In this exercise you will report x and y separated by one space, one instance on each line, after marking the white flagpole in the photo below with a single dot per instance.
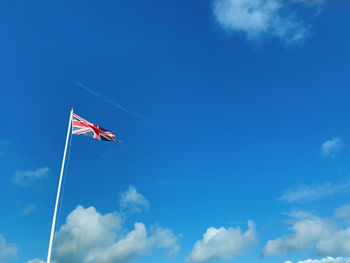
59 188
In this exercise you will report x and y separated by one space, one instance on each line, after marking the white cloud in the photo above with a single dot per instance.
6 250
136 243
36 260
85 229
324 236
324 260
89 236
28 177
222 244
260 18
308 193
331 147
29 209
132 200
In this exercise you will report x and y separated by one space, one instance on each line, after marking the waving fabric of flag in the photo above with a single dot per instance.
83 127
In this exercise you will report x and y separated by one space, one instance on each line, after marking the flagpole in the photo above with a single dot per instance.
59 188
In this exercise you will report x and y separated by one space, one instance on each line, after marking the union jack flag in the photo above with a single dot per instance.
81 126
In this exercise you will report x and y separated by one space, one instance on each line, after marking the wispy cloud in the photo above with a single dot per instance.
4 142
28 177
342 212
305 193
331 147
6 250
109 101
29 209
264 18
310 2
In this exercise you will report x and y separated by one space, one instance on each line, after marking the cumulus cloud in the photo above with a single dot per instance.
259 18
28 177
324 260
85 229
222 244
89 236
136 243
309 193
132 200
331 147
6 250
324 236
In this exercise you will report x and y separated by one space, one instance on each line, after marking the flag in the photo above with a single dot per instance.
81 126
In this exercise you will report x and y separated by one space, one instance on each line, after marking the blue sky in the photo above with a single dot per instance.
234 120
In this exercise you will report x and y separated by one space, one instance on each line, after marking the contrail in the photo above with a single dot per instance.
87 89
114 104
